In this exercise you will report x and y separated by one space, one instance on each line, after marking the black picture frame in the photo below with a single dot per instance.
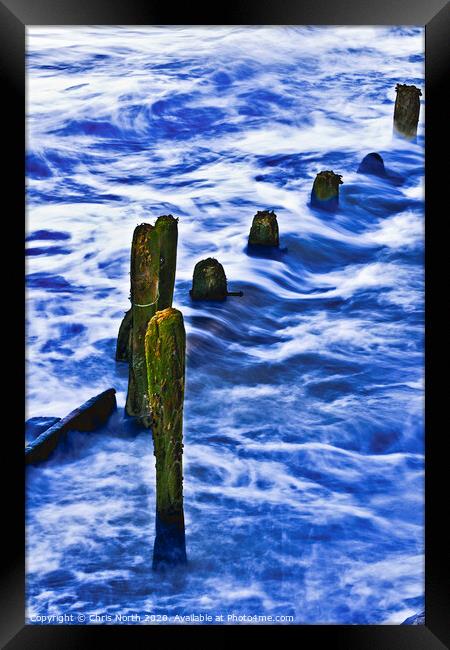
15 15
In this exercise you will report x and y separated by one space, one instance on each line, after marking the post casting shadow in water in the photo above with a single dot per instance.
170 543
271 252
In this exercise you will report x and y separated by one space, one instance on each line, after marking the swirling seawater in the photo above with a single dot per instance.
304 446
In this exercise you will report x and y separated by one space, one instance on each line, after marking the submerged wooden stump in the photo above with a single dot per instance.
210 282
264 230
325 191
153 265
406 110
165 348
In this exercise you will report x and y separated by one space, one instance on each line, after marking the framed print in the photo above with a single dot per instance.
228 355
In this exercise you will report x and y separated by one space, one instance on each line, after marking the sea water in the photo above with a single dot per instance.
303 420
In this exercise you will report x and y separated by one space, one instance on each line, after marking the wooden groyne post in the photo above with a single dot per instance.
144 297
325 191
406 110
153 266
210 282
165 349
264 230
167 229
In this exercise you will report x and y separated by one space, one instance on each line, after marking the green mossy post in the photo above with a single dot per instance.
325 191
144 297
153 266
406 110
167 228
209 281
123 336
165 350
264 230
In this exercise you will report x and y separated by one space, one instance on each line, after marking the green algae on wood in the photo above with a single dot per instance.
167 227
123 336
144 297
165 349
264 230
325 191
406 110
153 266
209 281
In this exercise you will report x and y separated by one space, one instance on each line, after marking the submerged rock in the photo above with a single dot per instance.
37 425
264 230
88 417
325 191
372 164
416 619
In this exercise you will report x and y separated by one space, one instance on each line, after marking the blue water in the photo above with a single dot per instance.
303 425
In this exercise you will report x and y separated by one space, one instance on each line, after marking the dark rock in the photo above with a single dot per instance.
35 426
372 164
88 417
416 619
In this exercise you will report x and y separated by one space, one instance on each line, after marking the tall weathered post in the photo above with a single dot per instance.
144 297
264 230
325 191
210 282
406 110
165 349
167 228
153 265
